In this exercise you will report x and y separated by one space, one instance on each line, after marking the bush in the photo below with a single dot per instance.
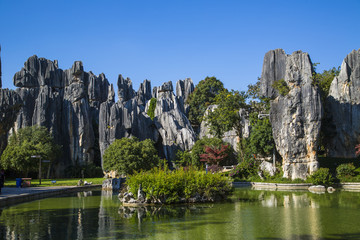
322 177
281 86
245 169
345 170
151 110
170 186
127 155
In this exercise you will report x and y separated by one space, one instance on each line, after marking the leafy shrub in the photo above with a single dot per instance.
170 186
322 177
151 110
281 86
343 170
126 155
245 169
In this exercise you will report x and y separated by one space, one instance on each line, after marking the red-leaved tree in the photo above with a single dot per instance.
213 155
357 149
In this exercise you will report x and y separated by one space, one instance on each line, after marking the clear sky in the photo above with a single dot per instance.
172 40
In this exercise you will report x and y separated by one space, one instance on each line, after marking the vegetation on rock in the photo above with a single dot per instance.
281 86
151 110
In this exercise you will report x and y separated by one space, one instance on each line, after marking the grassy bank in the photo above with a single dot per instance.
59 182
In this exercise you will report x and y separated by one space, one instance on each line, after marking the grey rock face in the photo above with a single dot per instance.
296 117
125 89
170 120
144 93
274 68
112 184
124 119
66 102
343 105
184 88
10 104
267 167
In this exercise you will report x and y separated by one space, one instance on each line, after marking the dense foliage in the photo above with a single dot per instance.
345 170
322 177
151 110
127 155
226 116
25 143
245 169
323 80
281 86
202 97
171 186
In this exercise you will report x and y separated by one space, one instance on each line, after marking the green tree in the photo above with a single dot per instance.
25 143
261 139
323 80
127 155
203 96
226 116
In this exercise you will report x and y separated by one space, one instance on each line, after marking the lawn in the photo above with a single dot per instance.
59 182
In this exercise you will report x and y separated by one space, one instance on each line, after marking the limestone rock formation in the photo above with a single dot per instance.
170 129
10 104
171 122
66 102
343 107
295 117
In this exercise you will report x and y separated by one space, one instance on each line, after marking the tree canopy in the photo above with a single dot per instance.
226 116
202 97
127 155
25 143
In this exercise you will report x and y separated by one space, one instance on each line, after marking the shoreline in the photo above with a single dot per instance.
352 186
10 195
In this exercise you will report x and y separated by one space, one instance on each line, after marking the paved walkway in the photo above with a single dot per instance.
16 195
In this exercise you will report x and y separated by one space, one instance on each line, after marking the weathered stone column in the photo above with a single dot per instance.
295 116
343 107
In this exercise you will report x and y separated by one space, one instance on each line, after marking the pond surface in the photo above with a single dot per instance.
250 214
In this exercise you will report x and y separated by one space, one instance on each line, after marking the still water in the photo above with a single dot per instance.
250 214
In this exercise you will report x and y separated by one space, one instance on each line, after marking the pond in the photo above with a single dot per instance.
249 214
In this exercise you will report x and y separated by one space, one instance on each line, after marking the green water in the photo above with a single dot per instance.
250 214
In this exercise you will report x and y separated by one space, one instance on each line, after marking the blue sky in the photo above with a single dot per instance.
172 40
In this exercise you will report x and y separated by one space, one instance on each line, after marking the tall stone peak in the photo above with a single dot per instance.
184 88
39 72
295 69
343 108
295 117
125 89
